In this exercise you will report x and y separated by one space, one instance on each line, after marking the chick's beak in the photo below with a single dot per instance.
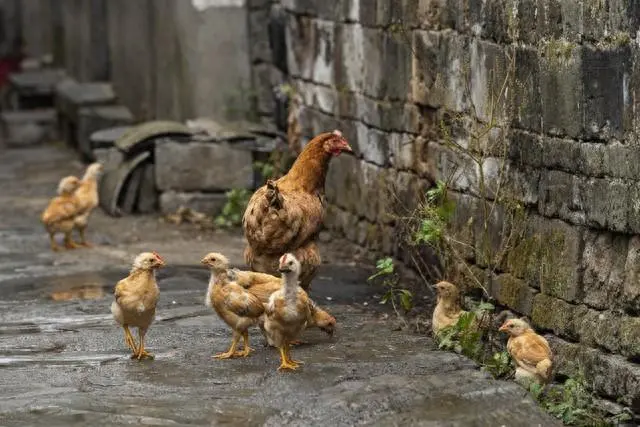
203 261
503 328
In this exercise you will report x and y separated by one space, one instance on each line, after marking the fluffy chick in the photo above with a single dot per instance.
287 311
263 285
448 310
135 302
238 308
530 351
59 215
87 195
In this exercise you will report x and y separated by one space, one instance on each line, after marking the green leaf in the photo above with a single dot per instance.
384 267
406 300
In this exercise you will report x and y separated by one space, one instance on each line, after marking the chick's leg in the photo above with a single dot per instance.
128 339
232 350
285 364
247 350
68 242
142 353
52 240
288 355
83 238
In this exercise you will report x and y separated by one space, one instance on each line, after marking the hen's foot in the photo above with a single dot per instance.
86 244
286 365
245 352
55 247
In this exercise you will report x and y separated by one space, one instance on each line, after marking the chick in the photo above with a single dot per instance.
238 308
87 194
135 302
59 215
263 285
447 311
530 351
287 311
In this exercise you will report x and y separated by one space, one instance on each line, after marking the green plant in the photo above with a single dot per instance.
231 215
403 297
573 404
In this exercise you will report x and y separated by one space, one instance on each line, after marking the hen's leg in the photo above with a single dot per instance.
232 350
142 353
285 364
247 350
52 242
128 339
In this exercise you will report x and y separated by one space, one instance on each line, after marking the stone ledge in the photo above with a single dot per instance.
208 203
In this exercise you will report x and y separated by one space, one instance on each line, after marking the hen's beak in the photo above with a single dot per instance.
346 147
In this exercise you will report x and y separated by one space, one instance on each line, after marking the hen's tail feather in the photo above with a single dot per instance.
273 195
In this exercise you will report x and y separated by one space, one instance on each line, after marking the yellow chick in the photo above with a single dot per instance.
87 195
238 308
287 311
530 351
448 310
135 302
59 215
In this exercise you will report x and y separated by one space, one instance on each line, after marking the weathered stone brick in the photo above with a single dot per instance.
527 104
439 78
513 293
557 199
631 288
605 202
197 166
525 148
609 375
548 256
373 144
441 14
556 315
561 87
603 261
312 55
603 80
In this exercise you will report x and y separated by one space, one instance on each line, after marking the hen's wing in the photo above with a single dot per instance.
243 303
529 349
60 209
277 225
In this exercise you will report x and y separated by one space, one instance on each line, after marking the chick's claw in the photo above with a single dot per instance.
226 355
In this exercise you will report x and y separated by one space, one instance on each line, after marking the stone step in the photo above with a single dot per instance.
28 127
33 89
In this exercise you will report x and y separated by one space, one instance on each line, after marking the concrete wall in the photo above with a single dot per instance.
389 74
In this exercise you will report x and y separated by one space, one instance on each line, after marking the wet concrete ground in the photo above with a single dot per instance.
63 361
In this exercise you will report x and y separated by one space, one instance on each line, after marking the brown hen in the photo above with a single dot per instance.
285 215
58 217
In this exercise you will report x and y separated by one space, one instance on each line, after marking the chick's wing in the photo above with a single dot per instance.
243 303
530 349
60 209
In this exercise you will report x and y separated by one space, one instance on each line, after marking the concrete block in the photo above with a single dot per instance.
106 138
95 118
72 95
209 203
110 158
197 166
148 195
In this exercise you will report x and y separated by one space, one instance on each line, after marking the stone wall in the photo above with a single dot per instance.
404 79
